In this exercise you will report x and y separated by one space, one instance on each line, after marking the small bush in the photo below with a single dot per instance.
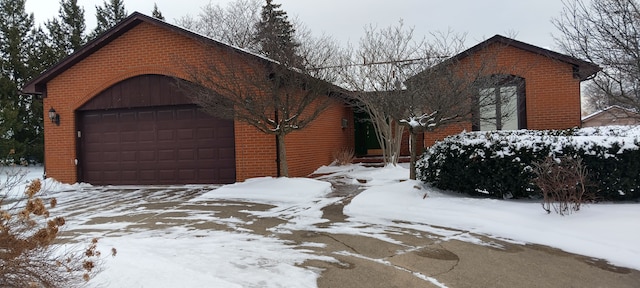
29 256
563 183
343 156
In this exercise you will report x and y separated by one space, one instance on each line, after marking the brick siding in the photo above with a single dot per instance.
552 91
150 49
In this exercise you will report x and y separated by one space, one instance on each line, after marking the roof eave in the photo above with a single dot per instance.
37 86
584 70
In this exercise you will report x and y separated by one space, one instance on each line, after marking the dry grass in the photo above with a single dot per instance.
28 253
344 156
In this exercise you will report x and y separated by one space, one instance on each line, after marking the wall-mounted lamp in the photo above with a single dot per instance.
55 117
345 123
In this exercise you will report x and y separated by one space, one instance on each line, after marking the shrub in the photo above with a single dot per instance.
563 183
500 163
28 255
343 156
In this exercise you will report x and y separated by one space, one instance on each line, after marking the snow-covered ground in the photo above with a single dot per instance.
180 256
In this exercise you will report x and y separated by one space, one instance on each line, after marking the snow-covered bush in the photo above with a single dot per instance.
499 163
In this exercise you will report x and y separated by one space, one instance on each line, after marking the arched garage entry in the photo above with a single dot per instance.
144 130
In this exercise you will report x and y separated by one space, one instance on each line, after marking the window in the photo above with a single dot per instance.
501 105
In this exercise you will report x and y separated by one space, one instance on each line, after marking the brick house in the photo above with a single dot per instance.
545 86
119 119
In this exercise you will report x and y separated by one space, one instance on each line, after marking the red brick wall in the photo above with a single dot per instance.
552 93
255 152
314 146
149 49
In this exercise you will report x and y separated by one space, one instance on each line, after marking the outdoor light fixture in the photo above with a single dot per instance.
55 117
345 123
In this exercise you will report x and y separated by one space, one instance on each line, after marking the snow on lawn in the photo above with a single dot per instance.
180 257
212 259
607 231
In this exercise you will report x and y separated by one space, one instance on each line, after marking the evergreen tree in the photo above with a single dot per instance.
156 13
20 115
67 31
108 16
275 35
43 53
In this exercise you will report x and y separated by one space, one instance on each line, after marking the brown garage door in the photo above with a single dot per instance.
155 145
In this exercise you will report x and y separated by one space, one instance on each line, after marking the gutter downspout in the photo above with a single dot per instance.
277 148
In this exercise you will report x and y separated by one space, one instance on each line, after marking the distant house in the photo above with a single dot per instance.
612 115
117 118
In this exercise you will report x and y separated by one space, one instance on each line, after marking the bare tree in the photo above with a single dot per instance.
416 85
236 24
273 98
376 71
605 32
449 91
233 24
279 89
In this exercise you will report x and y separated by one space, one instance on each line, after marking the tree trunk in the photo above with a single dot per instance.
282 156
413 140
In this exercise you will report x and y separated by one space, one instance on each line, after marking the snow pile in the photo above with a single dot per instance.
299 200
268 190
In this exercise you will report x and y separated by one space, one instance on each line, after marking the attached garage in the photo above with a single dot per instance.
122 120
143 130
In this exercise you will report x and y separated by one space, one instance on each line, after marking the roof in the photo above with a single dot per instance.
612 109
37 86
582 69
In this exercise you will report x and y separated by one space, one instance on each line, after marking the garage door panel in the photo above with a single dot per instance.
207 154
205 133
186 154
129 176
148 175
155 145
168 135
147 156
227 173
186 174
227 153
147 135
224 132
146 116
186 134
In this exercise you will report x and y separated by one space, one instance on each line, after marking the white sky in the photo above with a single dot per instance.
529 21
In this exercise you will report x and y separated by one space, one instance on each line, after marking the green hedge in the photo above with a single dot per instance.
498 163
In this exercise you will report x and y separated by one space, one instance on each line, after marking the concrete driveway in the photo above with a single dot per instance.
410 259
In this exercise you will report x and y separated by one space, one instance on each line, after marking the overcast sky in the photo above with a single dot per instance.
529 21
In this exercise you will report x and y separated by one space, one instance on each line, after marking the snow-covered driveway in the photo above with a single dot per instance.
269 232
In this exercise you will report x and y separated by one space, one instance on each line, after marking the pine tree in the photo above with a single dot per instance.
20 115
108 16
67 31
156 13
275 35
